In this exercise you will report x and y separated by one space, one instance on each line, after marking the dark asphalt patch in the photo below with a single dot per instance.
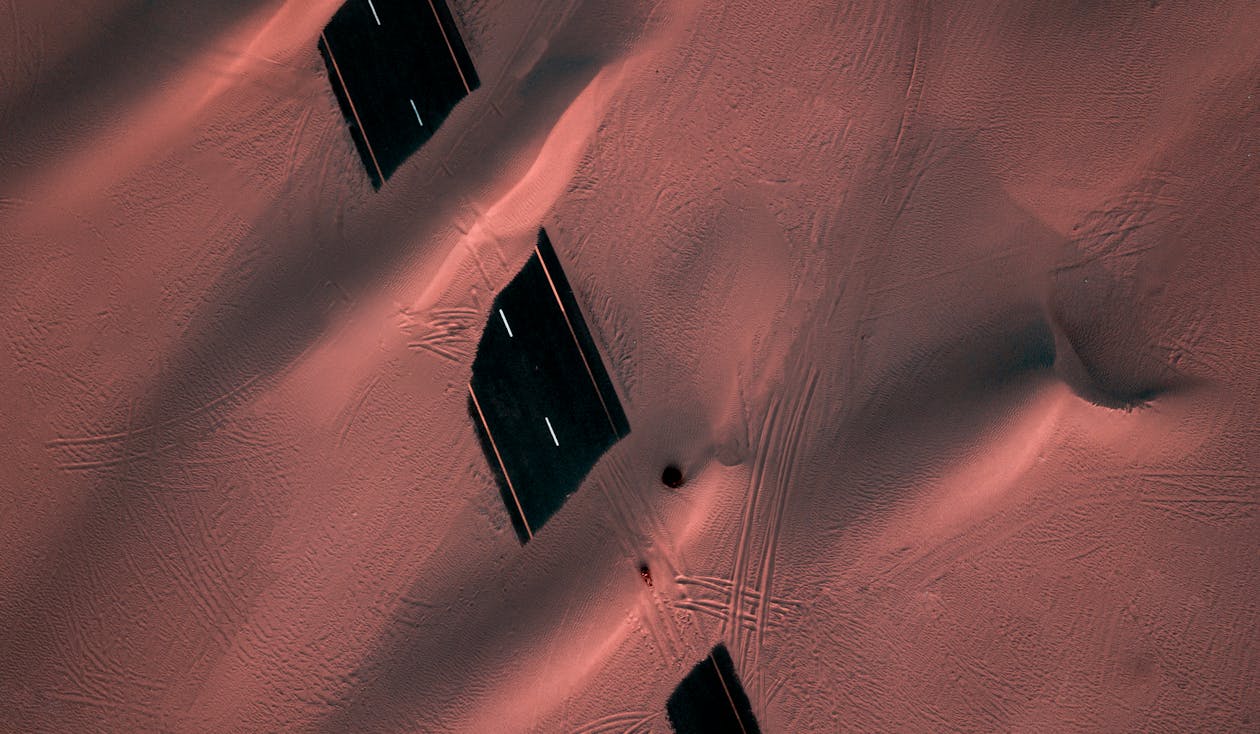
711 700
397 69
542 401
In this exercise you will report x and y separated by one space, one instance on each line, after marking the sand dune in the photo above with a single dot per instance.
946 313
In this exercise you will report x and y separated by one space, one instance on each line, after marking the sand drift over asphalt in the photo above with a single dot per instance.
944 318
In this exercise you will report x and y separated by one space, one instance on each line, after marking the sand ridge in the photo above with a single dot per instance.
946 313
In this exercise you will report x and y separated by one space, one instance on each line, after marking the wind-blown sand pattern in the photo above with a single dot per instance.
947 312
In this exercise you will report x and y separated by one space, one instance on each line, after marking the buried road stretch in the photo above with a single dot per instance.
540 397
398 69
710 700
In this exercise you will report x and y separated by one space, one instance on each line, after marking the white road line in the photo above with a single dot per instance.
505 323
553 431
374 15
413 109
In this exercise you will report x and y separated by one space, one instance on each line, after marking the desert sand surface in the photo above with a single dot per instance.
947 311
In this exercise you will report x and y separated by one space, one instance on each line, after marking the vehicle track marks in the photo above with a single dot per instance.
614 722
745 540
649 528
909 109
495 90
446 333
788 451
616 491
349 416
291 161
1208 510
643 724
204 610
723 587
720 611
948 552
151 443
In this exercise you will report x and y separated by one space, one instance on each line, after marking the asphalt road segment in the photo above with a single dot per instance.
397 69
711 700
540 396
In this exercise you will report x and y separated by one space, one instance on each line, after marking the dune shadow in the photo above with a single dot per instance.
128 56
259 317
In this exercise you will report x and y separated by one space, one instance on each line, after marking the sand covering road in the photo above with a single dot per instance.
948 314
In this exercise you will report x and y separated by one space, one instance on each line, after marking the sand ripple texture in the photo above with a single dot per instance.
947 312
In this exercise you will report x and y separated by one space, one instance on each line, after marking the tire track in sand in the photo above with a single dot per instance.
778 445
630 534
789 450
743 546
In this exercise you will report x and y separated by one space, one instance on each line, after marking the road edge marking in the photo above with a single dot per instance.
581 352
493 445
449 47
722 679
355 112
